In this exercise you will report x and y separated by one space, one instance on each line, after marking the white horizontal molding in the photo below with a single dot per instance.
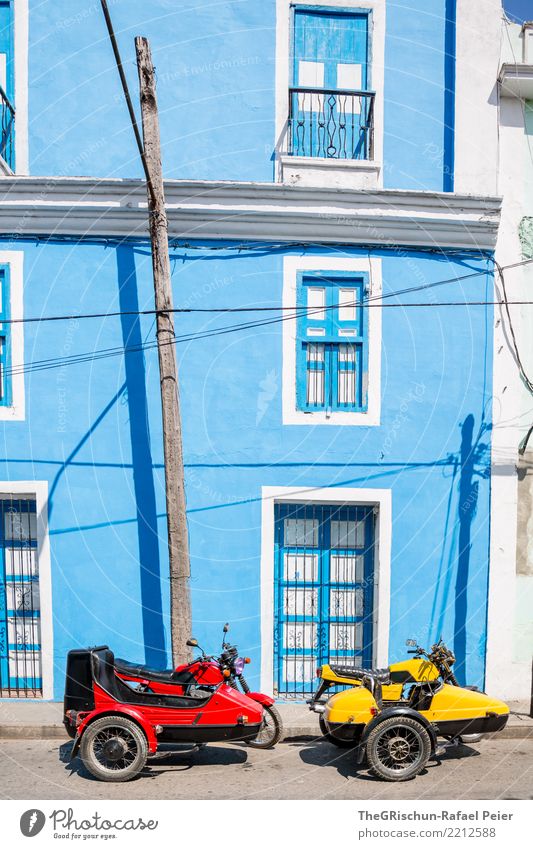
516 81
257 211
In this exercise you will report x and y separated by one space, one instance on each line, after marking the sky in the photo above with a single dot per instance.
519 10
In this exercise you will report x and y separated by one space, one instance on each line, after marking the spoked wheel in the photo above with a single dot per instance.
398 748
271 730
342 744
113 749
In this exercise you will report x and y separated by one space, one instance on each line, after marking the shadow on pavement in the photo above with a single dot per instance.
167 759
322 753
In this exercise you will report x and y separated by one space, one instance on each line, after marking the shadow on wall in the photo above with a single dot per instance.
474 460
143 475
471 464
135 390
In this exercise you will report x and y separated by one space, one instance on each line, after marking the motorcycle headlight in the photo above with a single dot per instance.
238 665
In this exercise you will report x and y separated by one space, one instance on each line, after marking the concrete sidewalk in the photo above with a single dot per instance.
26 718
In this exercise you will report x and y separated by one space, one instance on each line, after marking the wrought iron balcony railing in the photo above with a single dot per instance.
331 123
7 129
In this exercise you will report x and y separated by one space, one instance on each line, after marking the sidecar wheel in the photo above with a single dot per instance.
113 749
342 744
398 749
271 730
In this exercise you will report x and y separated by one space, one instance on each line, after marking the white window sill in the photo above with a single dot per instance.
335 173
336 418
12 414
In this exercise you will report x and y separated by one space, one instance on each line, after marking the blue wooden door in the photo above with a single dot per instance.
7 83
6 47
324 591
330 53
20 640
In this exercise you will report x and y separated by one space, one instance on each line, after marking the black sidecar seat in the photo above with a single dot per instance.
380 675
104 674
165 676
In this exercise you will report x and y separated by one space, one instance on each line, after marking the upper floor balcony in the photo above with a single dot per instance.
7 134
330 138
331 123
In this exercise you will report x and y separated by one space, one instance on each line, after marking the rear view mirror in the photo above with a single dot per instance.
226 628
410 642
192 642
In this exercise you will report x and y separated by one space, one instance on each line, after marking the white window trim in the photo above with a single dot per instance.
291 266
378 498
283 74
21 36
15 261
39 491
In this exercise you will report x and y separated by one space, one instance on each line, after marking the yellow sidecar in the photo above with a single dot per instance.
395 715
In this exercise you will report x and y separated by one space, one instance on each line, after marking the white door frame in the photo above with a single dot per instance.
381 500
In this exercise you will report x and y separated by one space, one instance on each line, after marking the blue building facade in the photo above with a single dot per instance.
334 340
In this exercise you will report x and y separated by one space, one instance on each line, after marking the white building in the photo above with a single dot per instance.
510 621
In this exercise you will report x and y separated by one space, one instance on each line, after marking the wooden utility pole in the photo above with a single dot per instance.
178 543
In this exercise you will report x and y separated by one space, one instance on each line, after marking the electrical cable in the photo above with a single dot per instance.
222 310
75 359
525 378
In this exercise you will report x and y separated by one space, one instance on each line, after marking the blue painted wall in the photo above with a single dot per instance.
216 88
93 432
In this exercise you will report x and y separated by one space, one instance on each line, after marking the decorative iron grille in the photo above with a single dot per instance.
324 592
331 123
20 620
7 129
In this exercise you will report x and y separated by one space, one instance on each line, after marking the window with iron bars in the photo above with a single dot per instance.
332 342
20 614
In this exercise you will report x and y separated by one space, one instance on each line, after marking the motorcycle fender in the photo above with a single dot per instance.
75 747
266 701
386 714
131 713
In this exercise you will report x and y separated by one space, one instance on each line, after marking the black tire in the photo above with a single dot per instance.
113 748
271 730
342 744
398 748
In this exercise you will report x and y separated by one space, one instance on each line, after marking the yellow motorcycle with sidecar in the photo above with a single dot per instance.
395 716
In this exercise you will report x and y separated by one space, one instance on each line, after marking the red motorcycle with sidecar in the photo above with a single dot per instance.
119 712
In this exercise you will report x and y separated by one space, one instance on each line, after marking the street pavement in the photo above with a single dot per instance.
296 769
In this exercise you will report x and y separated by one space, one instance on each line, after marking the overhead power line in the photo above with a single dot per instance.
105 353
222 310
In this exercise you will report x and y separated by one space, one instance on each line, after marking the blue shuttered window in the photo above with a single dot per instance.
324 591
5 339
332 342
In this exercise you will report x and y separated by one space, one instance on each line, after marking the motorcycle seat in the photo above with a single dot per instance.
380 675
165 676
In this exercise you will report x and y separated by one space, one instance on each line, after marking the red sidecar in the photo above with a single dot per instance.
118 725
